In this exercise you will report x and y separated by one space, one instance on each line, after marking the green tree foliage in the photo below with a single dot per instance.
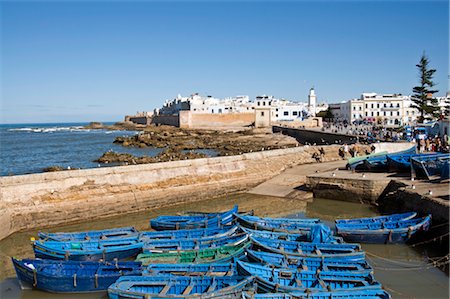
327 114
422 97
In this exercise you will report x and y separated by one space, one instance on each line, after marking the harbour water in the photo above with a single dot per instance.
403 270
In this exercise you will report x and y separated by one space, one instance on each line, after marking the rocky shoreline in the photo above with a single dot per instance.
182 144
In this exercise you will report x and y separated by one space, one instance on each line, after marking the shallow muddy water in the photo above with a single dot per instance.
403 270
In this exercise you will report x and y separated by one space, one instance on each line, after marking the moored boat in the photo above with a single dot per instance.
210 255
276 224
194 244
383 232
310 263
106 234
323 283
213 269
87 250
187 233
377 219
363 294
195 221
429 167
320 235
285 276
227 287
305 249
72 276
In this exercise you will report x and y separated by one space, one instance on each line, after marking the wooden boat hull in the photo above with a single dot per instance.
429 167
310 250
299 236
276 224
285 276
179 287
186 233
213 269
323 284
312 264
210 255
113 233
385 235
365 294
48 275
87 250
378 219
192 222
193 244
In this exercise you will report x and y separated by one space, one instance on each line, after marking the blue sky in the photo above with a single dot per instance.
83 60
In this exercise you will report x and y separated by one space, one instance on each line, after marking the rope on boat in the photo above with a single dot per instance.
431 240
441 261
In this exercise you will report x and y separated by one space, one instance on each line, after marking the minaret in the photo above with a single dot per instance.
312 102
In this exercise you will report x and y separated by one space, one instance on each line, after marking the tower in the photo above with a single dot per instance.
312 102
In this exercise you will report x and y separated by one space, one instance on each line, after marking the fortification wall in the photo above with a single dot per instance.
169 120
49 199
189 119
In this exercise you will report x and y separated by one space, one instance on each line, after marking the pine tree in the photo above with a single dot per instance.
422 97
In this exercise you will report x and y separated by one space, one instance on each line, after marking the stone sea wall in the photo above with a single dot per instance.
49 199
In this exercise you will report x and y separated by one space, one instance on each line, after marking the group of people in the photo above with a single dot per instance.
430 144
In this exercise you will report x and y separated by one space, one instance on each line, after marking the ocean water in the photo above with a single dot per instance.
29 148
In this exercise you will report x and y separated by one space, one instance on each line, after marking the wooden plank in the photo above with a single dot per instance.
188 289
166 288
212 287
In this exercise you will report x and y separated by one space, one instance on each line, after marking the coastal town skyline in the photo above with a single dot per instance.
83 61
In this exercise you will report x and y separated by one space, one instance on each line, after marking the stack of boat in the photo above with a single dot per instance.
219 255
431 165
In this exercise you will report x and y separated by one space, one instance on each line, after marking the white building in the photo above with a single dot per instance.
390 110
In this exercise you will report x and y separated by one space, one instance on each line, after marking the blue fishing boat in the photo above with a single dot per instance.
227 287
194 244
429 167
72 276
113 233
213 269
363 294
121 248
187 233
324 283
306 249
383 232
285 276
299 236
378 163
276 224
402 162
196 221
377 219
312 264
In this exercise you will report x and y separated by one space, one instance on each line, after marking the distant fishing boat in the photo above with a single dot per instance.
227 287
178 245
210 255
383 232
308 263
113 233
276 224
195 221
72 276
88 250
377 163
377 219
306 249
